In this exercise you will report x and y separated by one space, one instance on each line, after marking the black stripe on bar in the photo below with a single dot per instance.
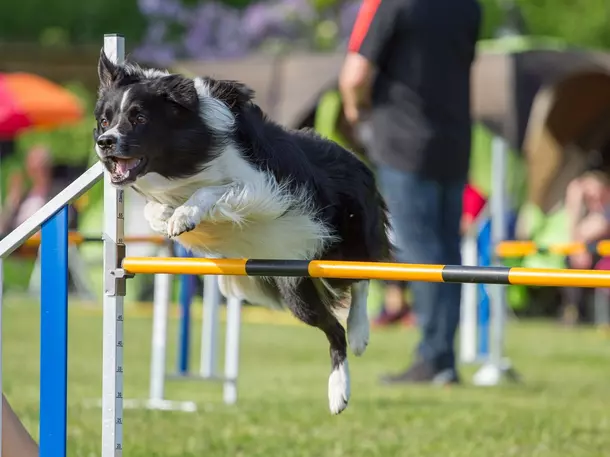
479 275
271 267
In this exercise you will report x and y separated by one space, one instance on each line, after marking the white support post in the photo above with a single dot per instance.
209 326
498 367
159 337
499 209
232 350
114 293
156 396
468 315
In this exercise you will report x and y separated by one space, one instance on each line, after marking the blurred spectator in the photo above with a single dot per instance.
19 204
407 72
395 308
587 205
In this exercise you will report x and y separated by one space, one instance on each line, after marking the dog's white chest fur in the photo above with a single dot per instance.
232 209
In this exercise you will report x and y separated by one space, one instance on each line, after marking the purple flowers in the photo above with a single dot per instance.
213 30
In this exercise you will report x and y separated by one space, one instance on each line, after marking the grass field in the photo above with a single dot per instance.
561 409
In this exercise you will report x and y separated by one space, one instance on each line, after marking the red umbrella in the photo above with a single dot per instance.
28 100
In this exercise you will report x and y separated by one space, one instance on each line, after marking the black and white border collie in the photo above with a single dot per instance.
223 180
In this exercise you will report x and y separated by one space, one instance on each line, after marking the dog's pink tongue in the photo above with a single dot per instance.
124 165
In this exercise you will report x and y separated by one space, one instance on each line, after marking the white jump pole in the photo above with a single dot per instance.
498 368
468 315
209 326
114 293
232 350
159 337
156 397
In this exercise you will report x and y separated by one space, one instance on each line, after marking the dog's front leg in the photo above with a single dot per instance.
197 208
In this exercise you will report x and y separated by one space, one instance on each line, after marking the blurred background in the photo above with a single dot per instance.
541 82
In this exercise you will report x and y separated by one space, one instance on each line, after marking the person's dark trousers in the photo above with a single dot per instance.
425 216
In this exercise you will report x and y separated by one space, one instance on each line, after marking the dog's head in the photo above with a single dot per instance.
150 121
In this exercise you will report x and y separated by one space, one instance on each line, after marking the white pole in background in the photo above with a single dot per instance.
159 337
498 367
232 350
499 225
468 314
209 326
112 375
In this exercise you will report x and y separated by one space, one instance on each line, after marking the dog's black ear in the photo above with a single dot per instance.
107 71
113 75
234 93
179 90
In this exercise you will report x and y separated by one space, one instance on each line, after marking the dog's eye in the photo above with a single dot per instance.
140 119
104 122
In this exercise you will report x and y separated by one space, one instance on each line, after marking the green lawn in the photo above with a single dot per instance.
560 410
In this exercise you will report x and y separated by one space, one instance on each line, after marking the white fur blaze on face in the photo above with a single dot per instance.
124 100
339 388
358 327
215 113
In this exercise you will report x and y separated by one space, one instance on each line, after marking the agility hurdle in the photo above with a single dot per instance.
118 268
522 249
366 270
517 249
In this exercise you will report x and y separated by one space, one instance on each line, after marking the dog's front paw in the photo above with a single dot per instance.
184 219
157 215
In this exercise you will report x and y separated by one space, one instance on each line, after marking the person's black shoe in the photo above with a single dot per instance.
422 371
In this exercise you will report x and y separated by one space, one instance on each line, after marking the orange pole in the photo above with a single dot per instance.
558 277
78 238
508 249
186 265
375 270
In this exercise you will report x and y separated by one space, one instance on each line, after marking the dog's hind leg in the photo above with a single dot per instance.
358 327
305 303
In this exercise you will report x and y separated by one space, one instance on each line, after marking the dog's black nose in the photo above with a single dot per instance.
106 141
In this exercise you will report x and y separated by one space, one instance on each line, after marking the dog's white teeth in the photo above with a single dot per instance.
124 165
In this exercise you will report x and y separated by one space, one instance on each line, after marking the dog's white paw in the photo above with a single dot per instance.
157 215
358 335
184 219
339 388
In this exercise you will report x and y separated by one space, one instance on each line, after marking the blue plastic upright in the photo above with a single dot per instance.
54 335
483 310
186 295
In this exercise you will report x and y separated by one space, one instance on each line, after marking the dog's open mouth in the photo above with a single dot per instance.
125 169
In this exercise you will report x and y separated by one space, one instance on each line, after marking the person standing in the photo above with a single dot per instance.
407 74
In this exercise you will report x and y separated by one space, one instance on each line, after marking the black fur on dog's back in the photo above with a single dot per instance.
342 187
